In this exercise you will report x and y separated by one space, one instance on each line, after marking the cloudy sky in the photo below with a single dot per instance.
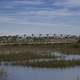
39 16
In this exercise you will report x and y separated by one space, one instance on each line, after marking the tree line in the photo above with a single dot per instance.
36 38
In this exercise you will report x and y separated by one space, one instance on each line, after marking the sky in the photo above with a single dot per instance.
39 16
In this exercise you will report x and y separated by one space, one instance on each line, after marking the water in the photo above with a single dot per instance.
24 73
62 56
58 56
10 72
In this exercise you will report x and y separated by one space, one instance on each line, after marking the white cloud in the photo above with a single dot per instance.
72 3
28 2
4 19
46 13
43 16
9 6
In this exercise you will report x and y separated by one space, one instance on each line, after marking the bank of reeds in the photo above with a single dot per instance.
21 54
69 48
49 64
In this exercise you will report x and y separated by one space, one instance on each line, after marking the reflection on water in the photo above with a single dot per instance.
62 56
8 72
24 73
67 56
3 74
58 56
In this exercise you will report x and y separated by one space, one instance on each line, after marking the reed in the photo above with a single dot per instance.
21 54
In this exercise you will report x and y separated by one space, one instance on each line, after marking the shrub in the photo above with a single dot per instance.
78 41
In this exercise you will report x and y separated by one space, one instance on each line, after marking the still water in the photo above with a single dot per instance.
25 73
9 72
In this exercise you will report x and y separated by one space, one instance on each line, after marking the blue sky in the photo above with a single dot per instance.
39 16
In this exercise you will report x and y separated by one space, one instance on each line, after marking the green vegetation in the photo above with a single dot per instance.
54 64
49 64
23 56
29 50
78 41
46 38
26 54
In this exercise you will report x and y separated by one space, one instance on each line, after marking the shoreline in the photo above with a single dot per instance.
20 53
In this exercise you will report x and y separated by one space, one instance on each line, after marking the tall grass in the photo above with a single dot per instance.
23 53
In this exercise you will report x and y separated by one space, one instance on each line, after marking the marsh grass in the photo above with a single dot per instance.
49 64
3 74
22 54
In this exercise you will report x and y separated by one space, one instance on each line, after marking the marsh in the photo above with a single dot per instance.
40 62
